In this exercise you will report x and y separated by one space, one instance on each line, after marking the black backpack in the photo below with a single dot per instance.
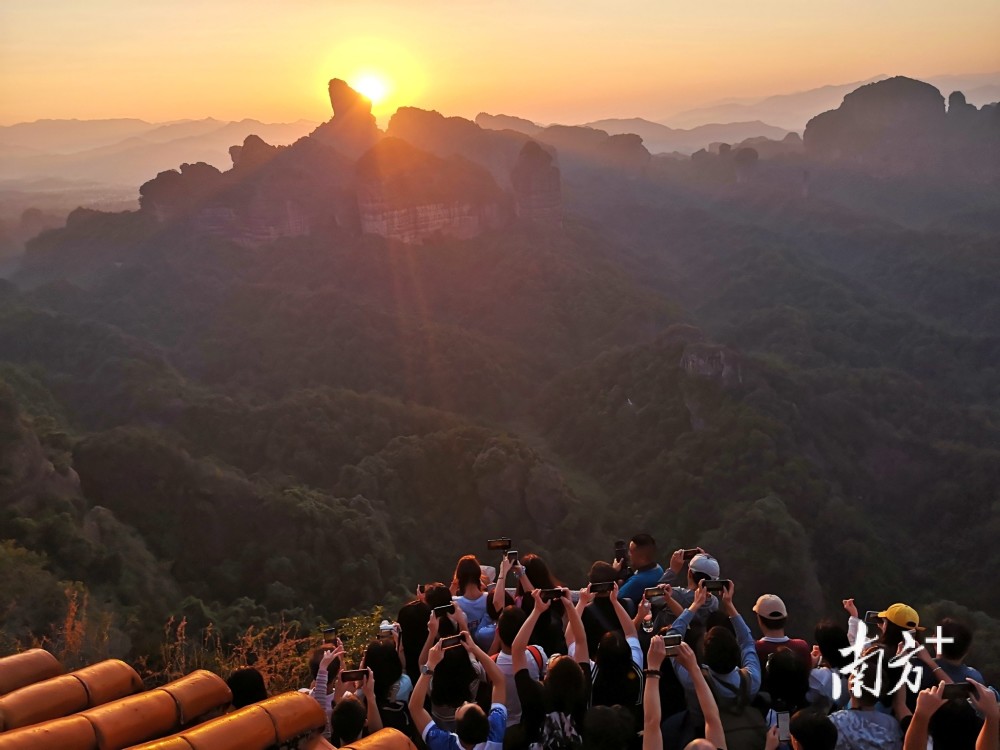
744 725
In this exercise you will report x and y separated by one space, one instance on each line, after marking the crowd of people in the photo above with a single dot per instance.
651 658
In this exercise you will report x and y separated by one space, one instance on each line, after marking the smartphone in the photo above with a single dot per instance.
784 726
502 543
549 594
621 549
329 632
354 675
958 691
689 553
871 617
512 556
672 643
651 592
452 641
602 588
716 586
445 609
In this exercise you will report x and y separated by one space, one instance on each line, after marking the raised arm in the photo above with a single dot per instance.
582 651
517 648
368 690
709 708
493 673
986 703
584 600
628 627
748 649
928 701
432 635
419 695
652 737
500 590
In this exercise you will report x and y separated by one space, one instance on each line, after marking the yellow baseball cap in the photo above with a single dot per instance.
902 615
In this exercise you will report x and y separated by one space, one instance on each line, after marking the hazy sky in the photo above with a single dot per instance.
550 60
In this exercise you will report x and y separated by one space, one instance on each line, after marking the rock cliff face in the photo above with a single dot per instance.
537 186
899 126
409 195
712 361
449 136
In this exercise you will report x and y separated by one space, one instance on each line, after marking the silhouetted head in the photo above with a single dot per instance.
787 678
382 659
642 550
601 572
613 653
510 622
722 652
831 638
248 687
347 720
467 573
538 573
962 639
564 682
813 730
471 724
316 657
452 678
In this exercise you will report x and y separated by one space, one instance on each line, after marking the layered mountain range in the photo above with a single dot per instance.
297 386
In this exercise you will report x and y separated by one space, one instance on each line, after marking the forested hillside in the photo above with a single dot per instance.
301 428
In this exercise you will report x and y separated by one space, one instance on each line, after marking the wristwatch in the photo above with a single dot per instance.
427 671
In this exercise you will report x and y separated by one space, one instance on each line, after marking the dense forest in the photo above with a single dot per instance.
299 429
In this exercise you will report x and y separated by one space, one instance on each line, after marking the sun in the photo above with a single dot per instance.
372 85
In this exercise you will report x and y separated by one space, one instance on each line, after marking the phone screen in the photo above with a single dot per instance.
784 722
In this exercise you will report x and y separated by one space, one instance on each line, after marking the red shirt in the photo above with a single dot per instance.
798 646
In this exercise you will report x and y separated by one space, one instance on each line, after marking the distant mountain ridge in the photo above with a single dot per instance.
127 151
656 137
793 110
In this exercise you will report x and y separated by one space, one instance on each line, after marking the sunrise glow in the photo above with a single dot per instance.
372 85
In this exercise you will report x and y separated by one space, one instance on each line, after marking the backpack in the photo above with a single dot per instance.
558 733
744 725
536 654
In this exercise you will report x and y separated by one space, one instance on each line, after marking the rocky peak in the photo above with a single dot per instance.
537 186
352 129
347 102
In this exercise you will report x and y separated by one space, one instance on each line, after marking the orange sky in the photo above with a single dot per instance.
549 60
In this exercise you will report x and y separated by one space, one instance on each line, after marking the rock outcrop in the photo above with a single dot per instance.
507 122
409 195
537 186
899 126
352 130
714 362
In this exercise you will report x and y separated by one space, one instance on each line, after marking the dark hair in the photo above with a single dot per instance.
608 728
316 657
963 639
643 540
772 623
615 680
247 685
831 638
698 577
452 678
601 572
722 652
437 595
347 720
892 637
813 730
383 660
787 679
565 684
467 573
509 623
538 573
473 727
